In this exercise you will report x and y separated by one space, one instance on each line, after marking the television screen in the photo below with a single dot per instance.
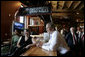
18 25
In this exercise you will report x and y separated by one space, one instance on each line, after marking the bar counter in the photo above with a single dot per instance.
36 51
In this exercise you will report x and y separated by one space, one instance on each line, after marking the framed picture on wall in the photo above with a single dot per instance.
34 21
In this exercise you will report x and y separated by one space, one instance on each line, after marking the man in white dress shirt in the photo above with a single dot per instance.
56 42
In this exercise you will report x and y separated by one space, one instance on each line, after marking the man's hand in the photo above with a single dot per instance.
39 44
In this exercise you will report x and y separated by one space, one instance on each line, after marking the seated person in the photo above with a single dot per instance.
14 41
15 38
23 44
56 42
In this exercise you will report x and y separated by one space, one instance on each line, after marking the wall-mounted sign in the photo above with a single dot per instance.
34 10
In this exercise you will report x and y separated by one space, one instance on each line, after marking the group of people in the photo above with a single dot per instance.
20 43
72 44
75 39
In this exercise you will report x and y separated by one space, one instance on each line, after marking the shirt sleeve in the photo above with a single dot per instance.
51 45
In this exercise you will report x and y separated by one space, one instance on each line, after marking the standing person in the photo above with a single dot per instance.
82 36
56 42
79 33
82 41
64 32
72 40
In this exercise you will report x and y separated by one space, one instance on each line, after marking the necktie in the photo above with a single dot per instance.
74 38
82 37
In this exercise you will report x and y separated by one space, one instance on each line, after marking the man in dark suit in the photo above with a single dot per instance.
81 41
72 40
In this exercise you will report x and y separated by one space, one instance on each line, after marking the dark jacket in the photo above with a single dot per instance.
69 40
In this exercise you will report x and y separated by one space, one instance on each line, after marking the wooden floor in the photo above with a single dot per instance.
36 51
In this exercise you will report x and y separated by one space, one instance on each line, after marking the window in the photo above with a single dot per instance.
21 19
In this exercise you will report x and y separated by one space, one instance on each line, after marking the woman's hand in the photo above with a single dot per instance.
30 45
34 40
27 46
18 46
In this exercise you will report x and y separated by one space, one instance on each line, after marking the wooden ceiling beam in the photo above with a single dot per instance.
77 4
70 4
81 7
54 4
60 3
63 4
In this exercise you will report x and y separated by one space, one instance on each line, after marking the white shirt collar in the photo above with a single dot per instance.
72 33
